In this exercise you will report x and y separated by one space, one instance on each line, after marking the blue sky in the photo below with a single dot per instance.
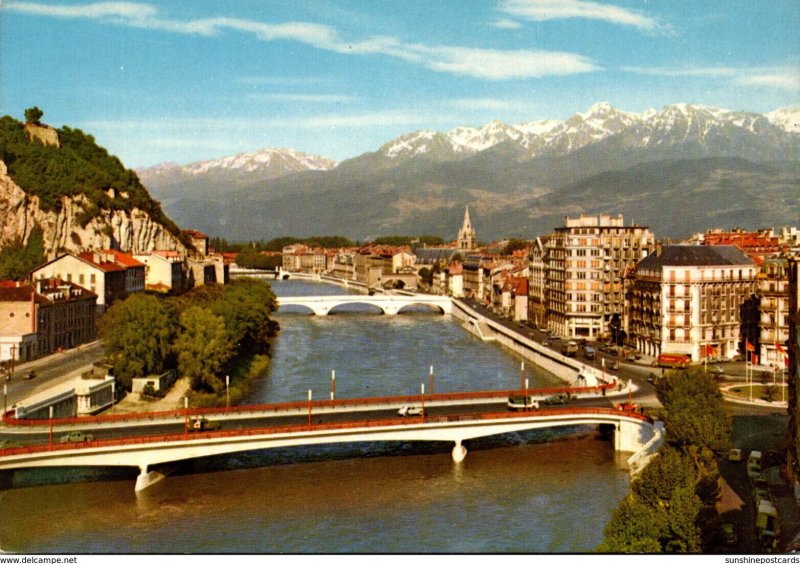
187 80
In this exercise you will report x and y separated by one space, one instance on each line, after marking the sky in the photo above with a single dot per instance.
190 80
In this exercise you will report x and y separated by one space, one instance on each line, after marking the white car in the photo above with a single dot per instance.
409 410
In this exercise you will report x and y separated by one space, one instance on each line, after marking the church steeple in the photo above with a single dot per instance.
466 235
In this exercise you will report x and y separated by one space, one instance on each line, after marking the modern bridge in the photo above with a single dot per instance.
306 424
390 304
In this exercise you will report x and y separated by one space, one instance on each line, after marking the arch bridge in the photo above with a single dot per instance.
389 304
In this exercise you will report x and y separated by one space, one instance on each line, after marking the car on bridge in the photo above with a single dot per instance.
557 399
515 403
76 437
9 443
409 411
200 424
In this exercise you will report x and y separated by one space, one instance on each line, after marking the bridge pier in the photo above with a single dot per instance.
146 479
459 452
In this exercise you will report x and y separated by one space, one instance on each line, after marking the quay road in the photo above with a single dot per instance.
294 414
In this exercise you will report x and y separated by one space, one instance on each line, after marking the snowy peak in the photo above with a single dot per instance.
286 159
787 119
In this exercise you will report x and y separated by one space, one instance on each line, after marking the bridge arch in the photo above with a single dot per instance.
431 306
340 307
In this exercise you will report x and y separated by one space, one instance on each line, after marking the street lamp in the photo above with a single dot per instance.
333 384
227 392
51 427
309 410
422 396
430 379
185 415
525 401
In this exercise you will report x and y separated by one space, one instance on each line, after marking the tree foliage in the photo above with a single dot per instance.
514 245
249 257
203 347
245 307
137 334
17 260
670 470
78 167
635 527
695 411
33 115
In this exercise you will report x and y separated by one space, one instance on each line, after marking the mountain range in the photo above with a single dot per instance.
679 170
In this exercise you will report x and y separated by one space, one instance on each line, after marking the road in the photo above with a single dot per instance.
260 420
50 370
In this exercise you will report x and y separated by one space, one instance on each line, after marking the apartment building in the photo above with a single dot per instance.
687 300
587 261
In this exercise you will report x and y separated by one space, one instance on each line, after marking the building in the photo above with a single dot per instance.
199 240
793 373
386 266
586 265
302 258
164 271
758 245
773 294
687 300
537 293
111 275
40 319
467 239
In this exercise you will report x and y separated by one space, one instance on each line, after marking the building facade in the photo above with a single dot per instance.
587 262
687 299
467 239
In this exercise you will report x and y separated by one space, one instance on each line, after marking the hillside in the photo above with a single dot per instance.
78 194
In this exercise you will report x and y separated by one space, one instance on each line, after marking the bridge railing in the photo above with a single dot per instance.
10 419
300 428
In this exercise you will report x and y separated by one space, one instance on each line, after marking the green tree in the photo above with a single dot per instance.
34 115
683 534
17 260
666 472
249 257
137 334
203 347
695 411
514 245
635 527
245 306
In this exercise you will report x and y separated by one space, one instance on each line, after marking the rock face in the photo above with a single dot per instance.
63 231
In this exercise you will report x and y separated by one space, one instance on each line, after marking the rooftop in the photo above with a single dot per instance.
695 255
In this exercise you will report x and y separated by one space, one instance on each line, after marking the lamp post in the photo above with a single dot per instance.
113 393
227 392
521 375
5 398
430 379
422 399
333 384
309 410
185 415
525 401
51 428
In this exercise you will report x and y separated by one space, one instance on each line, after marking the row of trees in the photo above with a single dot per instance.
671 505
326 242
203 333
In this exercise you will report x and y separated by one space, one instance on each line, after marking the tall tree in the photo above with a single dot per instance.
33 115
203 347
137 334
245 306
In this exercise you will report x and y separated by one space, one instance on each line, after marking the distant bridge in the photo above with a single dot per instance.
390 304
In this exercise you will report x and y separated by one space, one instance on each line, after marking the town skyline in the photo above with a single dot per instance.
192 81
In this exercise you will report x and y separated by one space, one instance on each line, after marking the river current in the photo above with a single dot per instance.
539 492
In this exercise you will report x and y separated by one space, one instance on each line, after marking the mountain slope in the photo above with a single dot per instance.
419 182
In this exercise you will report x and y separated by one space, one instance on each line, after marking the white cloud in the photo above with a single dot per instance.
488 64
543 10
505 23
784 78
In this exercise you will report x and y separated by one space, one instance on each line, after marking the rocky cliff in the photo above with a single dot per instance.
67 229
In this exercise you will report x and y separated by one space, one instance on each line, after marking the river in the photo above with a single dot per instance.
546 491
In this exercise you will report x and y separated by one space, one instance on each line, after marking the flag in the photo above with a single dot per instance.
755 359
709 350
749 346
779 348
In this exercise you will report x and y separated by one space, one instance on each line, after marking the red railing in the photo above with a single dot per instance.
395 422
10 419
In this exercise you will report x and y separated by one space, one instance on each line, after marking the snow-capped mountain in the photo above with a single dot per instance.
678 122
787 119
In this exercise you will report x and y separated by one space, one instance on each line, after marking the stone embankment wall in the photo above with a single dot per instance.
482 327
133 231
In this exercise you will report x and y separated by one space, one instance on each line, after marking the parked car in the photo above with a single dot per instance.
409 411
76 437
8 443
588 352
29 376
735 455
716 370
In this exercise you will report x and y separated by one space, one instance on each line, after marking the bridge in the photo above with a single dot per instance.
389 304
454 418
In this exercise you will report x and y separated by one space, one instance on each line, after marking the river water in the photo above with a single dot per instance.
546 491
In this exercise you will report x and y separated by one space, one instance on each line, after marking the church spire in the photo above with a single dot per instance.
466 235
